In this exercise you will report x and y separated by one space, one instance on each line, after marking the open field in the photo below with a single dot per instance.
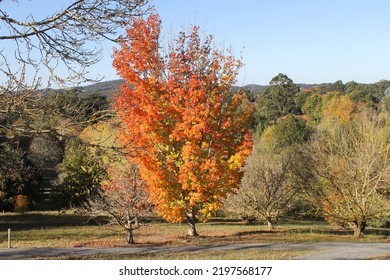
50 229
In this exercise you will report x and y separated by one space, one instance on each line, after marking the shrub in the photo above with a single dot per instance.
21 203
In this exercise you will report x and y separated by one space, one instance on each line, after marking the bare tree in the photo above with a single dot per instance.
267 185
68 41
44 150
65 37
122 197
352 172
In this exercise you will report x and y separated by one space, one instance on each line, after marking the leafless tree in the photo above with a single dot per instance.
65 37
43 150
267 185
68 41
122 197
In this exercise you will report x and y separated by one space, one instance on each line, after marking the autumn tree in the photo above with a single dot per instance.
340 108
352 171
183 126
269 185
121 195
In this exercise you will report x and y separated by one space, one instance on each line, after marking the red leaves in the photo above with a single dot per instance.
185 129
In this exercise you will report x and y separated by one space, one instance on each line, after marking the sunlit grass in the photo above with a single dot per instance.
50 229
385 257
202 255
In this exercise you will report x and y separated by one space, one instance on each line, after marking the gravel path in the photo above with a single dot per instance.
321 251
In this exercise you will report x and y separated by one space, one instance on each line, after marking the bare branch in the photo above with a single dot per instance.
66 44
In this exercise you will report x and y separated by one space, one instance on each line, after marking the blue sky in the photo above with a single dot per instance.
310 41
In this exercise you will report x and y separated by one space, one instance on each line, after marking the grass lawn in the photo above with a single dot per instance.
203 255
50 229
386 257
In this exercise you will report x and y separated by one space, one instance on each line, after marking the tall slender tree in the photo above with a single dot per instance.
278 100
183 126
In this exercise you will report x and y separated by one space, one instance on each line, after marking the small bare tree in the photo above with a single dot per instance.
266 187
122 197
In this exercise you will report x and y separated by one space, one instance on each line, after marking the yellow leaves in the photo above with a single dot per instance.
209 210
267 135
236 161
102 134
340 108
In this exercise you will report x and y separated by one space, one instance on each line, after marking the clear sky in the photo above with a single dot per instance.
309 41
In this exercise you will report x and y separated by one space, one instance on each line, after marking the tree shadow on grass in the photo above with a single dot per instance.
40 220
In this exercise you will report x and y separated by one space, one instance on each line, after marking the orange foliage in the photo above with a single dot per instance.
21 203
332 207
182 126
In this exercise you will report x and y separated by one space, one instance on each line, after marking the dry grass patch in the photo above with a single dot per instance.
49 229
201 255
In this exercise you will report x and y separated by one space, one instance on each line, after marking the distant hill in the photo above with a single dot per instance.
107 88
256 89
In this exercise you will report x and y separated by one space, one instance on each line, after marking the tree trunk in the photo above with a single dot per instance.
358 228
270 224
130 237
191 229
191 222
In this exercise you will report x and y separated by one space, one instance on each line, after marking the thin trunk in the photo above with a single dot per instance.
130 237
130 229
270 224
